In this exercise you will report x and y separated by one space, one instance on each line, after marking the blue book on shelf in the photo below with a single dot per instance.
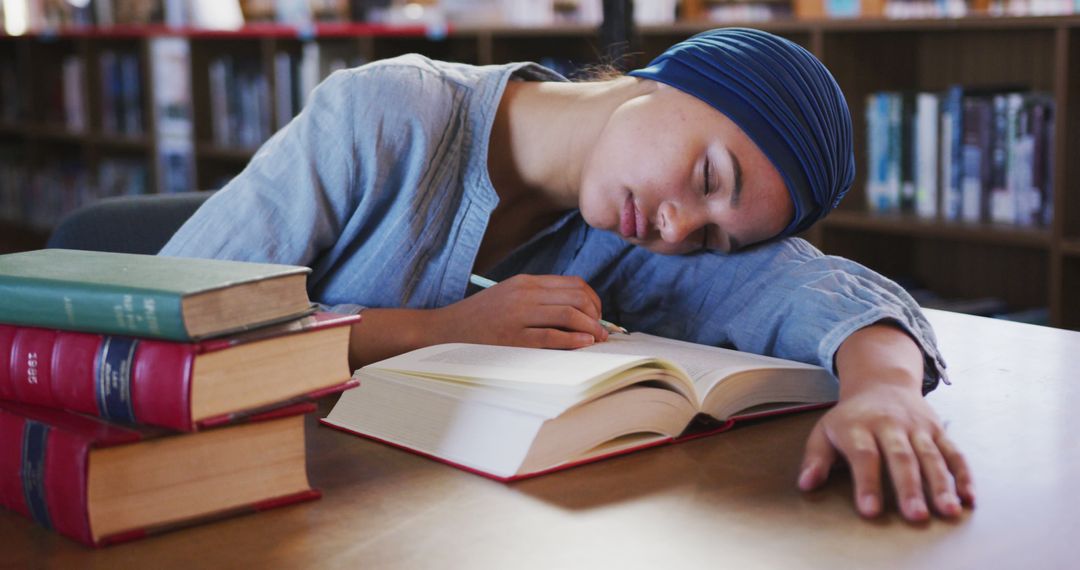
843 8
953 110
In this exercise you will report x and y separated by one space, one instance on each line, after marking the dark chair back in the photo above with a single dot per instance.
126 224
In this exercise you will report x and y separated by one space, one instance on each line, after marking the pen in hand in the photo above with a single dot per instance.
484 282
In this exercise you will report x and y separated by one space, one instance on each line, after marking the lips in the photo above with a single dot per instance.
628 219
642 224
632 222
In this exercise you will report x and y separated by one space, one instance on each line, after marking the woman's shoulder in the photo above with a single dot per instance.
410 78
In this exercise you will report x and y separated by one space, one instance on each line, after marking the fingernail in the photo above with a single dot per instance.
807 479
948 503
868 505
916 508
969 494
587 339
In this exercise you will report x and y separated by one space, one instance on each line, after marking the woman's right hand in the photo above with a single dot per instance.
545 311
537 311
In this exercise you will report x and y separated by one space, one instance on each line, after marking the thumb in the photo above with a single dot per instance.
817 460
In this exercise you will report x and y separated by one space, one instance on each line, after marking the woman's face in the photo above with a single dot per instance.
674 175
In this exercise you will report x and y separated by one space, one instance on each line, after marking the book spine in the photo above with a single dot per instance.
927 138
975 160
43 475
91 308
873 152
1001 205
121 379
893 180
954 195
907 148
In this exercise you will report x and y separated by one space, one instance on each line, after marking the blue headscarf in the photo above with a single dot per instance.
782 97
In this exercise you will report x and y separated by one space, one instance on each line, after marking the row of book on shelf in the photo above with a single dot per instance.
39 199
242 115
63 101
909 9
240 102
972 155
121 367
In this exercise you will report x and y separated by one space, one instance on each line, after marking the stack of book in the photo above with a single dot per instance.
144 393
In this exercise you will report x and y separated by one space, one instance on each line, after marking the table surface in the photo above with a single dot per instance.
724 501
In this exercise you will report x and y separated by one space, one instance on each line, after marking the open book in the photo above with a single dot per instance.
509 413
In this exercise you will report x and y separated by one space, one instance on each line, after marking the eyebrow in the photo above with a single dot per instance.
737 191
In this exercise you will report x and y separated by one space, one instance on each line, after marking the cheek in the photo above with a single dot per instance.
605 173
593 191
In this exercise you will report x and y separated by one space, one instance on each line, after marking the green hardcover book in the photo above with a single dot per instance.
145 295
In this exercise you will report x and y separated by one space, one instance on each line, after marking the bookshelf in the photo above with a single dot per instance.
1027 268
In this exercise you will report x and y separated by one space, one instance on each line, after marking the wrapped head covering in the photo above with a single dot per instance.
782 97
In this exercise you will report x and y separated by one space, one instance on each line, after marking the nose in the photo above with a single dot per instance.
678 222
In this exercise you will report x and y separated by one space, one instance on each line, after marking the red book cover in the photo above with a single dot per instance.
132 380
45 462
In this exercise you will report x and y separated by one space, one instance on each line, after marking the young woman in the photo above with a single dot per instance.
625 199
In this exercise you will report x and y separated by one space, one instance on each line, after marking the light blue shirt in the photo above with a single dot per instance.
381 186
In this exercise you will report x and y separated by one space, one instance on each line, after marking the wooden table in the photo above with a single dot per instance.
723 502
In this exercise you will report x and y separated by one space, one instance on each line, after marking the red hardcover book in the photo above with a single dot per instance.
511 413
101 483
181 386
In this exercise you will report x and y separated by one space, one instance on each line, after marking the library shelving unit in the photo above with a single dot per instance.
1027 268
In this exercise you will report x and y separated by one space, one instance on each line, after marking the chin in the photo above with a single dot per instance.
665 248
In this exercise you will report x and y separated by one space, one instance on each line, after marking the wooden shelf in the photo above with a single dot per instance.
122 142
506 30
56 133
215 152
1071 247
907 225
10 130
974 22
351 29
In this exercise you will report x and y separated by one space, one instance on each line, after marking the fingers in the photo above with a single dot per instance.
556 339
575 298
819 458
957 465
864 458
919 466
938 480
569 319
904 468
584 297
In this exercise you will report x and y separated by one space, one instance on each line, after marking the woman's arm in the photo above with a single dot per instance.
882 421
787 299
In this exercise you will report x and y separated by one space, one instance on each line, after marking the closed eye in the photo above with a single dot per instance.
707 177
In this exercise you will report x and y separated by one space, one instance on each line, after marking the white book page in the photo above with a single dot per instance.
511 367
706 365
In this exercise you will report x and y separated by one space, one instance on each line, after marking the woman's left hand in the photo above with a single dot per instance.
882 423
